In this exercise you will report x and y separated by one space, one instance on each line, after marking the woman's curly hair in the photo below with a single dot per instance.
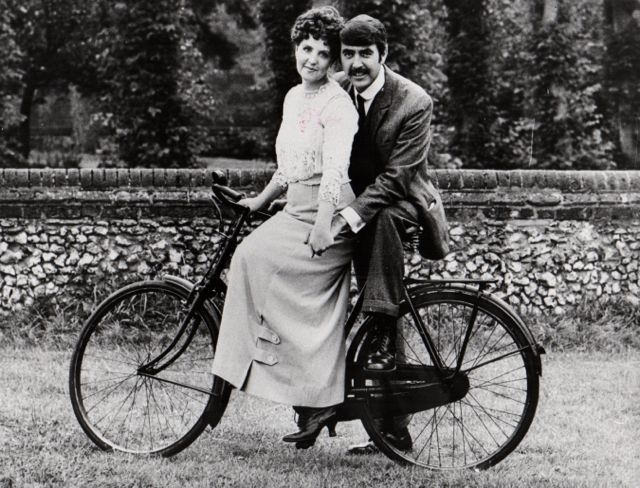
323 23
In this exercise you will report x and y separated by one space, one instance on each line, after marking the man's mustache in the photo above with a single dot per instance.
358 72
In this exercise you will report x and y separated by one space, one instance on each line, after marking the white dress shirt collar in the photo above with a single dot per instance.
372 90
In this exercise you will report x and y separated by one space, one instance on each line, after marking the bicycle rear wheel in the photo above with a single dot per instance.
120 408
484 426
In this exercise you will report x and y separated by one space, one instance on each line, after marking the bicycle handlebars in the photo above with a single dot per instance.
230 197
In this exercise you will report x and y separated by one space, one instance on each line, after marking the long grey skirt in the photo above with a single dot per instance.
282 330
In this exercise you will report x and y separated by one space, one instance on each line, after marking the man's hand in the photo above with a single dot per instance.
338 225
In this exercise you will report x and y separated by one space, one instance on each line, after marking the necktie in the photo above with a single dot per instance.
360 107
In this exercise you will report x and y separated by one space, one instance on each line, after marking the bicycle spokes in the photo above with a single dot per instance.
128 409
484 422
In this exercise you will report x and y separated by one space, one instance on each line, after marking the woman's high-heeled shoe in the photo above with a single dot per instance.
315 419
331 427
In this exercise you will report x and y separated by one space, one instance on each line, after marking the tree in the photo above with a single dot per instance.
140 64
278 17
213 39
568 124
54 38
471 104
622 75
10 78
552 59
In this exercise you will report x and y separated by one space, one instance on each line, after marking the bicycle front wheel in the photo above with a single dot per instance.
121 408
484 426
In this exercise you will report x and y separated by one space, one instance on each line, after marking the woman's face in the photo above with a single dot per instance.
312 61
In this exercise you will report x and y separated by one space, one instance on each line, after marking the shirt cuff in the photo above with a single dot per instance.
353 219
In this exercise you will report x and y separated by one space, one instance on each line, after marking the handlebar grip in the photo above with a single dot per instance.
233 195
219 177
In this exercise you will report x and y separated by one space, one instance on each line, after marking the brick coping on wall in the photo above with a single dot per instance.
102 179
495 194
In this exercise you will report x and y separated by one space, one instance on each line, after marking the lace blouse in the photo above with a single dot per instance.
315 139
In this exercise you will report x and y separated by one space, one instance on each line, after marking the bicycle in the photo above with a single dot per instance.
466 380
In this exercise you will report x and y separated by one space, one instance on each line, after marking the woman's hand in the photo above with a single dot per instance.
320 238
253 204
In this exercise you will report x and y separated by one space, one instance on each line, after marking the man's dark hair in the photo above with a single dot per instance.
364 30
322 23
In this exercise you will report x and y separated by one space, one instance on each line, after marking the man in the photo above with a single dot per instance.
388 174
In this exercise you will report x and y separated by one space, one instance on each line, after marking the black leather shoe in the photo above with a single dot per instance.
315 419
331 427
401 440
382 355
301 422
363 449
301 417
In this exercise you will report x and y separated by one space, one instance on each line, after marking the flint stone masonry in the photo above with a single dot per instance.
552 239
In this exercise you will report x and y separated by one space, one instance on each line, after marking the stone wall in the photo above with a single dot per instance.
553 239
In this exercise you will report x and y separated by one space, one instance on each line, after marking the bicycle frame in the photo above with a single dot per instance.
204 289
434 376
440 385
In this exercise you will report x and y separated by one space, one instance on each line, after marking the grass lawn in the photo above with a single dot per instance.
586 433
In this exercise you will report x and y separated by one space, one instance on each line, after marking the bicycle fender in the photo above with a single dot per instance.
505 307
212 309
181 282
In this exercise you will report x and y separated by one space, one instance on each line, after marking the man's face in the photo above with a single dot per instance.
361 64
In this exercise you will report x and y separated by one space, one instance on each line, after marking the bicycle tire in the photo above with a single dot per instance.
486 425
128 328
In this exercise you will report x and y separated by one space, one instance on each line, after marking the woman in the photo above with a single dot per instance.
281 334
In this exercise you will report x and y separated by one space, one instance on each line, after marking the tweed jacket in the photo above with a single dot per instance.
400 132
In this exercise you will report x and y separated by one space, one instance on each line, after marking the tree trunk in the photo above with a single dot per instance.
25 125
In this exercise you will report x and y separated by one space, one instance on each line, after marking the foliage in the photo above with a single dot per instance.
622 68
139 64
278 17
54 37
567 122
10 77
238 142
509 134
594 324
623 63
470 101
214 39
522 63
508 92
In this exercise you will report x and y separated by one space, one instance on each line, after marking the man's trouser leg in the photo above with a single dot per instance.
379 262
379 258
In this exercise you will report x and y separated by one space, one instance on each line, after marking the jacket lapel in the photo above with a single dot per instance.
382 102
